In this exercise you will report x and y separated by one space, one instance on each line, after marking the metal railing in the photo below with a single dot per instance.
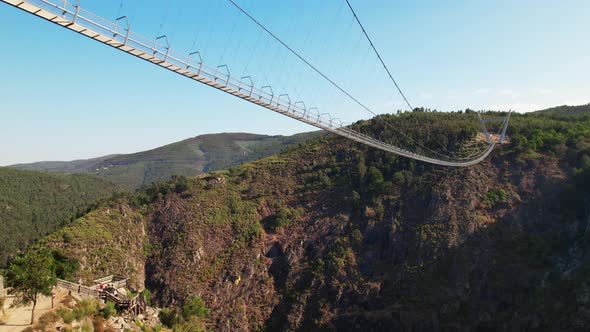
158 51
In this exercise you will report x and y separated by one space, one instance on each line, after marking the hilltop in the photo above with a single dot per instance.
34 204
189 157
67 167
567 110
333 235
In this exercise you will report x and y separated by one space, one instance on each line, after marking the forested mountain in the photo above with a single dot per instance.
189 157
567 110
333 235
34 204
74 166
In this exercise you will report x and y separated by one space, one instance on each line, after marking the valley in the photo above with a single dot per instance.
294 166
332 235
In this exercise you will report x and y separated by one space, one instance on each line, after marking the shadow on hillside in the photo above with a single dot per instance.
490 281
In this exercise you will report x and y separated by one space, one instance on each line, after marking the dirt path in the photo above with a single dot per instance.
19 318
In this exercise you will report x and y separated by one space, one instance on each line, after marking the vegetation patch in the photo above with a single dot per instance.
34 204
495 196
187 317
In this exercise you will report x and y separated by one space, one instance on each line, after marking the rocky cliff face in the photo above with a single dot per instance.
335 236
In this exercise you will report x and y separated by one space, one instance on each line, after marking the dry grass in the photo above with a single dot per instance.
46 321
68 301
3 315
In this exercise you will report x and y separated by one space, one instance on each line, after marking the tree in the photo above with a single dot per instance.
375 180
283 217
30 275
194 306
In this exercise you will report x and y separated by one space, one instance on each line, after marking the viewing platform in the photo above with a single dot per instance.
111 288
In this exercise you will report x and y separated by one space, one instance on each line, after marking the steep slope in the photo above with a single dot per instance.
33 204
106 241
190 157
332 235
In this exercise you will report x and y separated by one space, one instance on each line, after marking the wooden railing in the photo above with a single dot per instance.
120 283
103 280
136 305
119 300
115 280
80 289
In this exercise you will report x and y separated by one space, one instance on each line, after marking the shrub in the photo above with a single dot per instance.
194 306
108 310
65 267
87 327
66 314
495 196
356 238
68 237
86 308
282 218
325 180
46 320
181 183
147 295
168 317
375 180
192 325
67 301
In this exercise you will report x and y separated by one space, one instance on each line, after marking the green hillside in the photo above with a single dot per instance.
189 157
567 110
33 204
333 235
74 166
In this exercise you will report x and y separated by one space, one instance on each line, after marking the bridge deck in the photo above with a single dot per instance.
113 34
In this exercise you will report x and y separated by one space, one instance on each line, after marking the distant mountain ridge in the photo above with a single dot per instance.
567 110
190 157
74 166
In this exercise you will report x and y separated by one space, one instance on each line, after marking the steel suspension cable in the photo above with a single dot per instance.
299 56
383 63
275 37
378 55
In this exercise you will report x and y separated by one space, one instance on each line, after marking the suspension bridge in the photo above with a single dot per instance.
118 33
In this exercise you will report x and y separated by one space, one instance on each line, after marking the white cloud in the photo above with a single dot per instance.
507 92
543 91
482 91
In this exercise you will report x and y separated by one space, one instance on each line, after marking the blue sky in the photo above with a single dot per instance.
65 97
